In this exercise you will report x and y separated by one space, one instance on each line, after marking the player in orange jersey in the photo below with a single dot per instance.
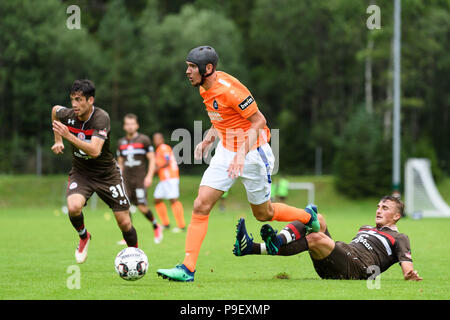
168 186
243 152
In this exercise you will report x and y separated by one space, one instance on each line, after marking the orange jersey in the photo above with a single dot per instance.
163 154
229 103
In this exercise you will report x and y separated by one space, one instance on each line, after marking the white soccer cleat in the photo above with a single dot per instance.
82 249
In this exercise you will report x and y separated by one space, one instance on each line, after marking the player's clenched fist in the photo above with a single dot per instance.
58 148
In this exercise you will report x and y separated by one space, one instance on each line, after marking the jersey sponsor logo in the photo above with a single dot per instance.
133 152
362 239
70 121
215 105
130 152
214 116
248 101
368 233
132 162
81 154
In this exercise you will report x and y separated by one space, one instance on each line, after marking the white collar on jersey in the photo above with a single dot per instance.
93 109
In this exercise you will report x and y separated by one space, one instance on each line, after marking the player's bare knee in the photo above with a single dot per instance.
74 208
201 206
262 212
124 224
315 239
262 216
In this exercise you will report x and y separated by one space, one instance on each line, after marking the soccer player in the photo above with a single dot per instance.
168 186
372 251
94 168
243 152
136 159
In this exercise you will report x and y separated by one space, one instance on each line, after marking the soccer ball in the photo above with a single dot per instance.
131 263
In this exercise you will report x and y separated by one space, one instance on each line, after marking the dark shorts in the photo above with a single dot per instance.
109 188
135 190
344 262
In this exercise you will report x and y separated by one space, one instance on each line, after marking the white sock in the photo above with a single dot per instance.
263 248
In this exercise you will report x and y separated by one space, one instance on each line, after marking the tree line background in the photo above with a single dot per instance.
318 74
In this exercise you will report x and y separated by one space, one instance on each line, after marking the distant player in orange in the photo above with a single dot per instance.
168 186
243 152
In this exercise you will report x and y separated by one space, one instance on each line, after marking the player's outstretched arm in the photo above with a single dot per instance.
58 146
409 273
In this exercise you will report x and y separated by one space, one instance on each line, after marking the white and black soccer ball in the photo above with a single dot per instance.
131 263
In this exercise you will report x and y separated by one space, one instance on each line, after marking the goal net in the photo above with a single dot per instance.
422 198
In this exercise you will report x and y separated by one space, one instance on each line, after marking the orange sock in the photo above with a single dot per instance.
283 212
178 213
161 210
196 232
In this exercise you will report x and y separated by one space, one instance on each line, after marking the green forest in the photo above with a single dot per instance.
317 71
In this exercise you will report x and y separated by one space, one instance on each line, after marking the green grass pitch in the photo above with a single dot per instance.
38 243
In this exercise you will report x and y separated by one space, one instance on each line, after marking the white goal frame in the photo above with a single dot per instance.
428 203
309 186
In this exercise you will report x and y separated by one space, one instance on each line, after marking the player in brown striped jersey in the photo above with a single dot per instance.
94 168
136 159
372 251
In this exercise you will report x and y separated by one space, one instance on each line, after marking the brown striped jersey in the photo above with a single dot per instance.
382 246
134 151
97 125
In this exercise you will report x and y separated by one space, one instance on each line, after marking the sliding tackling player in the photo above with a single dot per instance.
372 251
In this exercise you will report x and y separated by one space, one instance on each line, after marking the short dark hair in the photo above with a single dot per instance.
85 86
131 116
399 203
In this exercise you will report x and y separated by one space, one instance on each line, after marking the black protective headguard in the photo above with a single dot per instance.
202 56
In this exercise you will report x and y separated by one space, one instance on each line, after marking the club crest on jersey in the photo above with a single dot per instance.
215 105
81 135
248 101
